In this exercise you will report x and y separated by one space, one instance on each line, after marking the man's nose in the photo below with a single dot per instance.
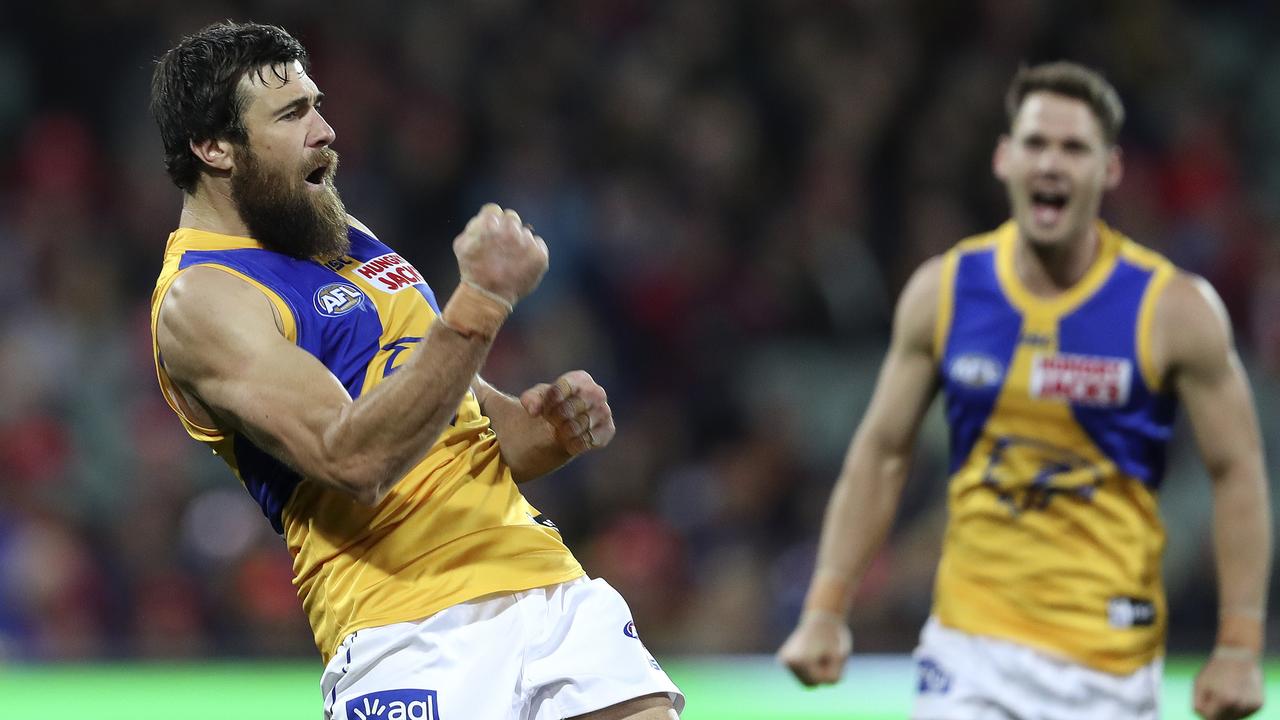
322 133
1049 161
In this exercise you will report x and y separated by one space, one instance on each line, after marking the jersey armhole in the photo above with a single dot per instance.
1146 319
946 305
172 396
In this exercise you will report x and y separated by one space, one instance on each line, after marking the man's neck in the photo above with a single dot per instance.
1048 271
211 208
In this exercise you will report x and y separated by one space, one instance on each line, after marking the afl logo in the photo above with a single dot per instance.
976 370
630 630
337 299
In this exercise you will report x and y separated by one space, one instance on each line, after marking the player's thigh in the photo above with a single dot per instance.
648 707
590 658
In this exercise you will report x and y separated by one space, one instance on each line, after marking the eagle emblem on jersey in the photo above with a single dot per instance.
1028 474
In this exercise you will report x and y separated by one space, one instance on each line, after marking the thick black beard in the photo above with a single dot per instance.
284 216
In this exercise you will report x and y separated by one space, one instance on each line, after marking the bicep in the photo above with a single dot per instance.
904 389
908 377
1220 408
221 344
1208 376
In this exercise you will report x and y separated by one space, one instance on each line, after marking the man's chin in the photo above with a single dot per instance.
1045 236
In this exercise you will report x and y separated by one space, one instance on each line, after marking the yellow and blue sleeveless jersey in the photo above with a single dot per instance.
1058 427
455 527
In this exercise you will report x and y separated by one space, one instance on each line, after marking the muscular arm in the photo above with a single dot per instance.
223 348
1206 374
1193 341
221 345
868 489
866 494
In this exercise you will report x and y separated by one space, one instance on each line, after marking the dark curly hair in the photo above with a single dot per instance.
195 88
1074 81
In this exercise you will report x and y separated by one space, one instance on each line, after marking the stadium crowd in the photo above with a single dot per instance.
733 194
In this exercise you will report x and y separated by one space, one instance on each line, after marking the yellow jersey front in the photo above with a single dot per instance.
1058 428
454 528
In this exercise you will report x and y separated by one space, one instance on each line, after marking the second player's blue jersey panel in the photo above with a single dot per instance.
987 330
979 348
1133 434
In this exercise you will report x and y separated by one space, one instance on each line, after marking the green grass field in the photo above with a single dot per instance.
737 688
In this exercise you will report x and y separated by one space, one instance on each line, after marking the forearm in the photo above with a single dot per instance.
392 427
857 520
528 444
1242 549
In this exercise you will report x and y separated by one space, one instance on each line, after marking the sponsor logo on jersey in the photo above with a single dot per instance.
1127 612
1036 339
405 704
931 678
337 299
976 370
337 264
389 273
1081 379
544 521
629 630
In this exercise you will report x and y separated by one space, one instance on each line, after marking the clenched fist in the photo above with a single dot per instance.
818 648
497 253
576 407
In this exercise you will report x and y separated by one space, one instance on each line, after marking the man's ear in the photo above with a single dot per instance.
1115 168
1000 159
217 154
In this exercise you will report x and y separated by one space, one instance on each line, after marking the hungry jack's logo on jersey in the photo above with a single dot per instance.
1082 379
389 273
405 704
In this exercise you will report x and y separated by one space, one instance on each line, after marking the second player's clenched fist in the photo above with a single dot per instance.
499 254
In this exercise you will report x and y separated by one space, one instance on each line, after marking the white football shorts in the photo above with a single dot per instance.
967 677
542 654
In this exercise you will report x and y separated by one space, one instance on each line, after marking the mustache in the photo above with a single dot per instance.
326 156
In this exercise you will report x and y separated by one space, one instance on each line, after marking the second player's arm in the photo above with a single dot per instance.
1194 343
867 491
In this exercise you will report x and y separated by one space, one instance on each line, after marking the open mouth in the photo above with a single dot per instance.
316 177
1047 206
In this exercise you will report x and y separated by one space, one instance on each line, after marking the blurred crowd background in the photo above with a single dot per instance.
733 193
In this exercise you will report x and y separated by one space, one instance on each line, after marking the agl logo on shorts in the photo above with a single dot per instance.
404 704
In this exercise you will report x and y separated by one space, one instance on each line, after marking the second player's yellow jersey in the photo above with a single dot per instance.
1058 430
453 528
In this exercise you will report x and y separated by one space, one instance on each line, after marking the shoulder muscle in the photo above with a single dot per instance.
1192 333
917 310
206 317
